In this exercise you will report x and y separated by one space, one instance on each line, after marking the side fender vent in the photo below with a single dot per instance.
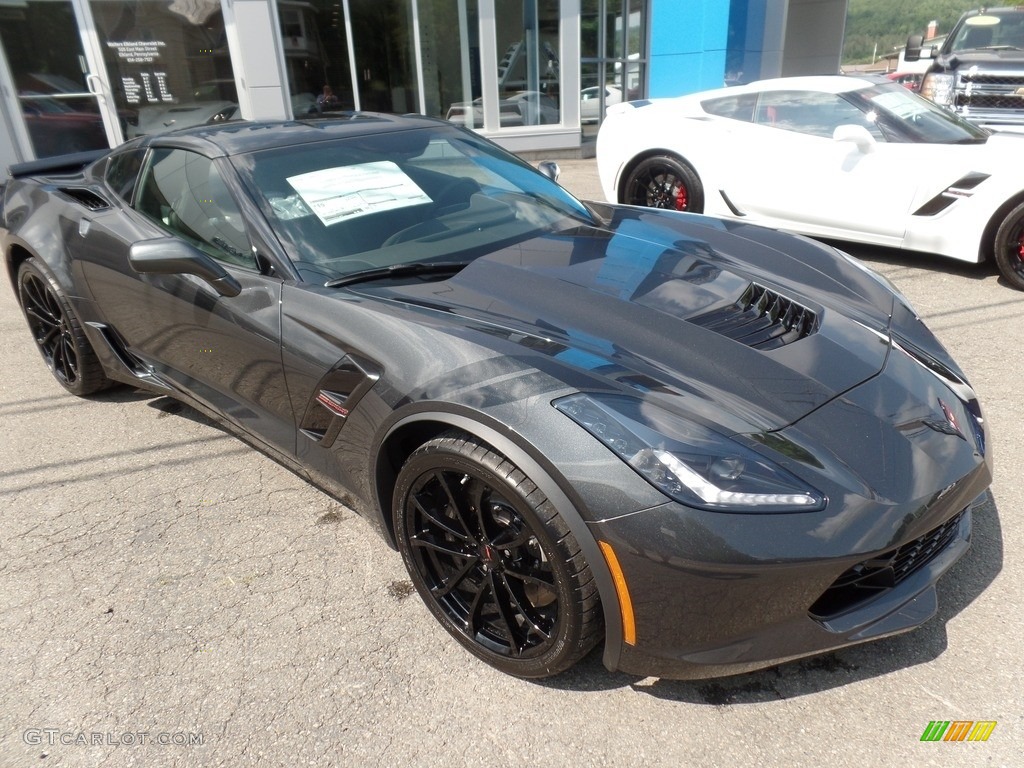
335 396
761 318
86 197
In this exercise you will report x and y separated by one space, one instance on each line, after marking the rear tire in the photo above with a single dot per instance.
493 560
664 181
58 333
1009 248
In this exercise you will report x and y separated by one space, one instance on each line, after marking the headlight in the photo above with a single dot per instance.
938 88
687 461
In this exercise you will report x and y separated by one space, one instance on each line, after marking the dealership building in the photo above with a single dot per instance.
530 74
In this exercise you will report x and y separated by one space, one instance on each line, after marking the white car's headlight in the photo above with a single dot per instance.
938 88
687 461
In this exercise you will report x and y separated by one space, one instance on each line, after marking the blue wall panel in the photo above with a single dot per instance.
689 41
745 40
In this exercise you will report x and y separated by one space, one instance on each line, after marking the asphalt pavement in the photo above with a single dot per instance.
171 597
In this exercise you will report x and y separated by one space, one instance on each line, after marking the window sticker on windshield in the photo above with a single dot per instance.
900 104
351 191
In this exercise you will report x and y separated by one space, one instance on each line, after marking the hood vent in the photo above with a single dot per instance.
761 318
86 197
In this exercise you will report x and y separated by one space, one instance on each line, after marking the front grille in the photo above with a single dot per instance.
870 578
761 318
979 91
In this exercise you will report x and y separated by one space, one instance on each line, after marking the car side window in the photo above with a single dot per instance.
184 193
812 113
123 171
732 107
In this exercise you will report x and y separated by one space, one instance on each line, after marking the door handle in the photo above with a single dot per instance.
95 84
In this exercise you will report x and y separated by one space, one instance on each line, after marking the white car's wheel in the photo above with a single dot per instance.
664 181
1009 248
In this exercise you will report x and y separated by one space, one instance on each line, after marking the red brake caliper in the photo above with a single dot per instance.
1020 247
681 203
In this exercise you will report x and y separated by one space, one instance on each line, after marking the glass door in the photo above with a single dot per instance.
59 95
168 62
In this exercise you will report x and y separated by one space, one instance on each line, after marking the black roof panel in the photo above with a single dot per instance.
244 136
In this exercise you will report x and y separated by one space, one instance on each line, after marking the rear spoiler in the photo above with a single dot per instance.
56 165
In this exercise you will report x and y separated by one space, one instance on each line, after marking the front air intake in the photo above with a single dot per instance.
872 577
761 318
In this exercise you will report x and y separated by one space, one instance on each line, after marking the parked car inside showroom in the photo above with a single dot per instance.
706 446
519 108
590 102
838 157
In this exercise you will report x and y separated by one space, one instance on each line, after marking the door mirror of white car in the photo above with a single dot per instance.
855 134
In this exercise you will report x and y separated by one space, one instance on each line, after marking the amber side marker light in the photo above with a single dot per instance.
622 590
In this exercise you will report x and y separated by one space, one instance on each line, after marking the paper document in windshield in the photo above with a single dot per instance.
351 191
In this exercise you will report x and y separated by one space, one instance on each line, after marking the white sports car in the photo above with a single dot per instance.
831 156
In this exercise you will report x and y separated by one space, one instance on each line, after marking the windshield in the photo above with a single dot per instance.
903 116
417 196
997 29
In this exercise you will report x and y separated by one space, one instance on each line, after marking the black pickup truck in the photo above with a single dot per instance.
978 72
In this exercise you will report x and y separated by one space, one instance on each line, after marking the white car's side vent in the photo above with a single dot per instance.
960 189
86 197
761 318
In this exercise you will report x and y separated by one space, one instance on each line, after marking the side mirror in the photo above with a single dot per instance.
550 169
170 256
916 49
855 134
913 49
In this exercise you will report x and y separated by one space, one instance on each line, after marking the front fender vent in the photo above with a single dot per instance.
86 197
761 318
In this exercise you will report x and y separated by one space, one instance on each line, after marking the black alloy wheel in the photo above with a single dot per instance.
493 560
57 332
665 182
1009 248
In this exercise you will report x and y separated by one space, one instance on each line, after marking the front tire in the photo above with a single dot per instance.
1009 248
58 333
664 181
493 560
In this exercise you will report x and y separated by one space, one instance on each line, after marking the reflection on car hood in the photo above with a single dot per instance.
641 303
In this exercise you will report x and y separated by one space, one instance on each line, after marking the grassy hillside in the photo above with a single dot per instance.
888 22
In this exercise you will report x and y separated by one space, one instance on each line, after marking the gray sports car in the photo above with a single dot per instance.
709 446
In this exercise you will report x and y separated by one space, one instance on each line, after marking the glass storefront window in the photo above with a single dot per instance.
44 53
168 62
451 73
529 73
611 53
317 54
317 57
382 32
